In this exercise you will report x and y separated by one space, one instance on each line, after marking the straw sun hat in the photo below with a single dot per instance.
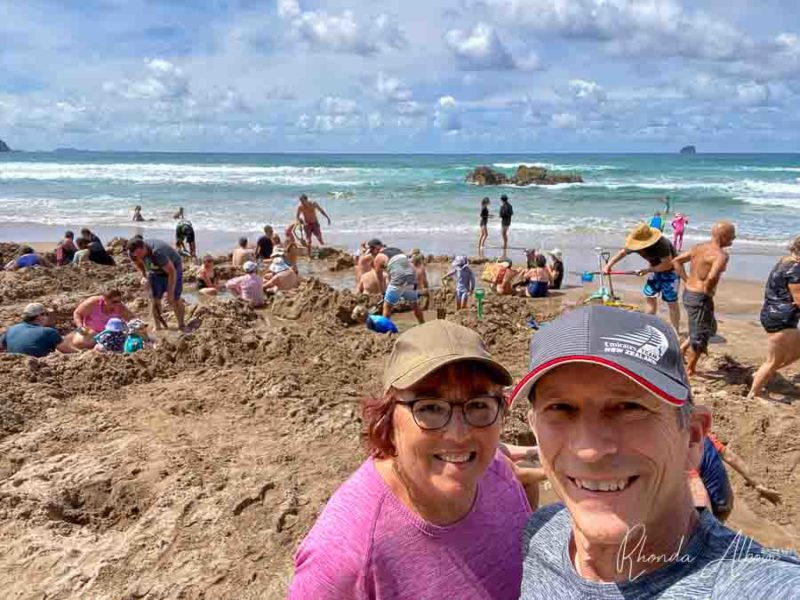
641 237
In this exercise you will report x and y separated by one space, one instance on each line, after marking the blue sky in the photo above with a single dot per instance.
401 76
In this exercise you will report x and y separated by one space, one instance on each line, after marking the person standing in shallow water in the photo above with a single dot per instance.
483 224
506 212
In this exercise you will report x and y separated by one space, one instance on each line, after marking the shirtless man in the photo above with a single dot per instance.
242 254
371 281
307 215
708 262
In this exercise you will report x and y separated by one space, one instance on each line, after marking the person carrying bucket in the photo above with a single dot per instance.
649 243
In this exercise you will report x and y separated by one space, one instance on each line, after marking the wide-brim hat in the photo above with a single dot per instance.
642 236
278 265
115 324
425 348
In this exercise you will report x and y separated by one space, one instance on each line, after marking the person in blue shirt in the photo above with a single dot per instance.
376 323
27 258
33 336
464 278
657 222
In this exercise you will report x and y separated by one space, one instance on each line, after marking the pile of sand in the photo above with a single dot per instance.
195 469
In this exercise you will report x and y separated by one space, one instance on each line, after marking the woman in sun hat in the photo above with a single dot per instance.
649 243
435 511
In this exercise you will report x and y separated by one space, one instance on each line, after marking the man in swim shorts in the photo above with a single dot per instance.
506 212
162 268
402 278
708 262
651 245
307 216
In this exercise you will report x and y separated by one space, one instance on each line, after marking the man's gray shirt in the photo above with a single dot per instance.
161 254
715 562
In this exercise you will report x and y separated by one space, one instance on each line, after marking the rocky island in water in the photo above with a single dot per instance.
524 175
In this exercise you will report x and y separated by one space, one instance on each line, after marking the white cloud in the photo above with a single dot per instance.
333 105
659 27
586 91
341 32
447 115
391 89
564 121
479 49
164 81
752 94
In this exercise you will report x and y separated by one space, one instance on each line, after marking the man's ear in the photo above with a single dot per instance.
699 426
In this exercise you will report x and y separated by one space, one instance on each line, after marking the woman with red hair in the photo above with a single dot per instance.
436 511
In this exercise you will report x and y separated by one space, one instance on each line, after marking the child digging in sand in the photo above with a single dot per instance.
376 323
112 338
464 278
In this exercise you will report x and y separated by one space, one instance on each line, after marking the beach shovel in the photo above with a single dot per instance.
480 293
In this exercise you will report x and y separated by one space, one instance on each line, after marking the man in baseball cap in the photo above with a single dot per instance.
33 336
617 430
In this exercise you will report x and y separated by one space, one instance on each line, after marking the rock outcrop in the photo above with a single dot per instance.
4 147
524 175
688 150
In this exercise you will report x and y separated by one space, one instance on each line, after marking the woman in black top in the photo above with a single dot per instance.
780 315
483 223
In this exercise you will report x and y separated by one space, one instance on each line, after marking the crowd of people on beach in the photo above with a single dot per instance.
443 508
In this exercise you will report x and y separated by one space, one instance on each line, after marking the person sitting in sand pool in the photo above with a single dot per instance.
372 281
249 288
483 225
436 510
423 288
184 234
89 236
28 257
112 337
138 338
66 249
557 269
207 281
290 247
307 216
178 214
709 482
34 336
81 256
92 315
780 315
161 268
402 278
504 279
264 244
464 278
242 253
651 245
283 277
137 214
376 323
679 223
611 407
537 279
97 252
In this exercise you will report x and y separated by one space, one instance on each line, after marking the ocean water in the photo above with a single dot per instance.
407 200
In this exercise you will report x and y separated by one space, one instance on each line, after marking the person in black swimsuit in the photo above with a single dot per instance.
780 315
483 225
506 212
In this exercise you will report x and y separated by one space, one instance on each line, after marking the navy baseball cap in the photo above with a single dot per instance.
642 347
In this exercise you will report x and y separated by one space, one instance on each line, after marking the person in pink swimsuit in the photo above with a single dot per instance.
92 315
679 223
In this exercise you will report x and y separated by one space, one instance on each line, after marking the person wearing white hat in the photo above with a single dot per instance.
248 287
34 336
283 276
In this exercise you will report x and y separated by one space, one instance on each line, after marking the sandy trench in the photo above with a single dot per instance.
195 469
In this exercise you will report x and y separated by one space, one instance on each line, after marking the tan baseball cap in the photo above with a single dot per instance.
421 350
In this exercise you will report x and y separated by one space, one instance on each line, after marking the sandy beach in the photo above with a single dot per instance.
196 468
